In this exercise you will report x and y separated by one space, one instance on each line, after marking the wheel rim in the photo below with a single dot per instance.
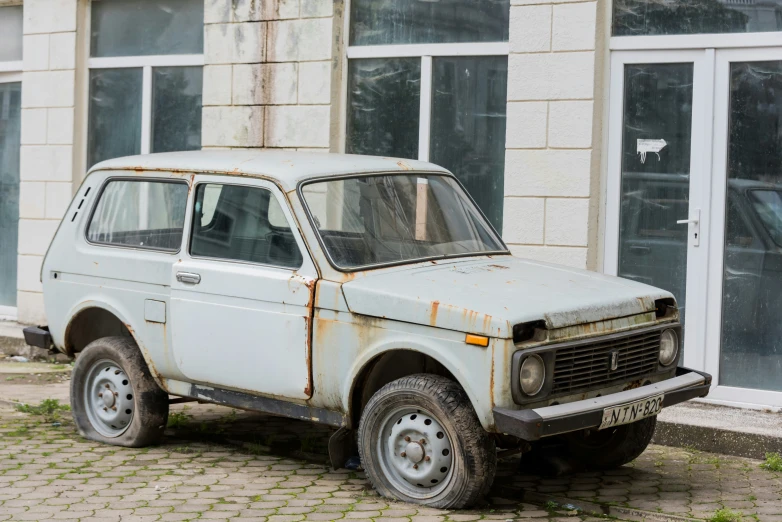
416 453
108 398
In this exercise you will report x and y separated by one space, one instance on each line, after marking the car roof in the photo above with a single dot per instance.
287 167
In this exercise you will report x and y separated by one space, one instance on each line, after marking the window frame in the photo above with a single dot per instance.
283 205
348 270
426 52
146 63
137 179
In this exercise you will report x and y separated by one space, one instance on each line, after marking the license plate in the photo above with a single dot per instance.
635 411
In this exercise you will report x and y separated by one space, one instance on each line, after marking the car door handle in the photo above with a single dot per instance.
188 277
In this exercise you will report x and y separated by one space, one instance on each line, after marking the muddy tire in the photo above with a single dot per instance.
421 442
113 396
611 448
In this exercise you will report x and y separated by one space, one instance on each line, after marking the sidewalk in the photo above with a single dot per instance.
720 429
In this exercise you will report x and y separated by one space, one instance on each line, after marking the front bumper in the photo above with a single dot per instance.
537 423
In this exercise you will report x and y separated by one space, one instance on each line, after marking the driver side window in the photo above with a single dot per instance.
241 223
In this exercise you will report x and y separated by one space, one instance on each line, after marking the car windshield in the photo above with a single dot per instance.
768 205
388 219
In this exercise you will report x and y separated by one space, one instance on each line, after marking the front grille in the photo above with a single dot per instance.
589 365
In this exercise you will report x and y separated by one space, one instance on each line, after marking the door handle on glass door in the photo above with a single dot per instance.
695 221
188 277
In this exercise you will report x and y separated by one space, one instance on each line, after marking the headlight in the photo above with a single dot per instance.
669 347
532 375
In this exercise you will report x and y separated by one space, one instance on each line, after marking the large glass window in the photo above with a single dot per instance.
385 98
375 220
468 125
10 116
656 143
145 77
751 354
146 27
439 101
140 214
11 33
650 17
242 224
383 22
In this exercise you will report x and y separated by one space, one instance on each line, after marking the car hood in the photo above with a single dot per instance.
488 296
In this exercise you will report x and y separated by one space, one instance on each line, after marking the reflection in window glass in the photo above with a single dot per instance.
10 119
650 17
114 114
236 223
751 353
468 126
11 33
372 220
767 204
383 106
656 176
176 108
145 27
383 22
140 214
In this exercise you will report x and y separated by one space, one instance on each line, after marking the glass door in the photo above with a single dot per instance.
655 201
745 297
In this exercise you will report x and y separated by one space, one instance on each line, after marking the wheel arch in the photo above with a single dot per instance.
91 320
377 368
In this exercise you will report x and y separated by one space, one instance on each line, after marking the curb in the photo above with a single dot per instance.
716 440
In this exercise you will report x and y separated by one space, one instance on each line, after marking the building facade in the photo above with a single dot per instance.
641 138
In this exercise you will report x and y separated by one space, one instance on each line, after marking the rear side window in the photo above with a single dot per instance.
241 223
140 214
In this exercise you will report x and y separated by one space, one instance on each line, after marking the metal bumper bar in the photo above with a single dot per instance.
537 423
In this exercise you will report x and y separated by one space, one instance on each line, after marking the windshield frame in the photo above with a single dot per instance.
412 261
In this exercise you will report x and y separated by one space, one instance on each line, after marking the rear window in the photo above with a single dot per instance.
140 214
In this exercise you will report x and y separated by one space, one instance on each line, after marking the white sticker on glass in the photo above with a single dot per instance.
654 146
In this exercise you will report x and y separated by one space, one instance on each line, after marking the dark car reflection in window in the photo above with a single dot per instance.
652 243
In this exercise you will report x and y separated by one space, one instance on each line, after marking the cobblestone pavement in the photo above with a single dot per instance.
221 464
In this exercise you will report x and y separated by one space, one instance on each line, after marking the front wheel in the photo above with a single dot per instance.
114 398
611 448
421 442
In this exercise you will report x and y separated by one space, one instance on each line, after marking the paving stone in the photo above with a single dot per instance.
210 474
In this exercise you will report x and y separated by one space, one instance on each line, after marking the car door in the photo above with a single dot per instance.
241 293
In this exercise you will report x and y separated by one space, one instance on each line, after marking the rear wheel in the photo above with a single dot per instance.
611 448
421 442
114 398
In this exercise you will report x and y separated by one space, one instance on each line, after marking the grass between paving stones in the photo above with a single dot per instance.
726 515
773 462
178 419
49 409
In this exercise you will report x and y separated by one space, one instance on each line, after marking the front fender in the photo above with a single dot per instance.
471 366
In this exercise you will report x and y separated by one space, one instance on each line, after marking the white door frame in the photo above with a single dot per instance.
700 162
726 394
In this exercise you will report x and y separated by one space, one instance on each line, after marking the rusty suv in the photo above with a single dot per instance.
369 294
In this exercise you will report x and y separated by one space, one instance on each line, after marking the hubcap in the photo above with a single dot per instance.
108 397
416 452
